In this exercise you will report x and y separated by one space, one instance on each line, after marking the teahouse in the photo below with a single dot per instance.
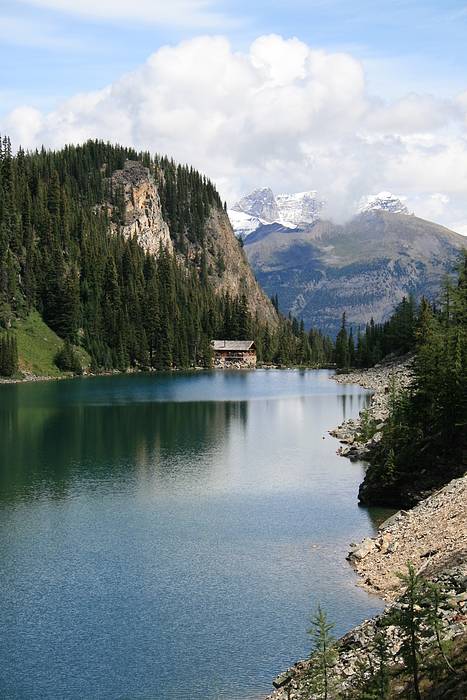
226 353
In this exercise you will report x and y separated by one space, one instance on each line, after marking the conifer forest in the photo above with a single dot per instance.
125 307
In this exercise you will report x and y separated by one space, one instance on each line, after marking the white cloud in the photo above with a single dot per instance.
282 115
194 13
413 114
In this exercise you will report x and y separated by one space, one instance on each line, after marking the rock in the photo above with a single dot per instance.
461 597
391 548
284 678
361 550
144 218
390 521
384 542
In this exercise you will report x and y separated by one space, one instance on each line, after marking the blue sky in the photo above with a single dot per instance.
403 63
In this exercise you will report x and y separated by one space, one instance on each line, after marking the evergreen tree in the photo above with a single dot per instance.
351 348
323 652
410 616
342 346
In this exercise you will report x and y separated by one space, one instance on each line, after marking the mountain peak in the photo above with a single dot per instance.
260 203
383 201
262 207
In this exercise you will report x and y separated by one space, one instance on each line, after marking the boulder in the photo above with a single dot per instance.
361 550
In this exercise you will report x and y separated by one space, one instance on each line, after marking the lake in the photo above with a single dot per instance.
168 535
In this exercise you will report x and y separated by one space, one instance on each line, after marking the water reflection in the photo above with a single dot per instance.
137 531
346 401
46 449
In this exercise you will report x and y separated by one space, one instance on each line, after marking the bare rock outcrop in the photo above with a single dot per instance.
143 208
226 261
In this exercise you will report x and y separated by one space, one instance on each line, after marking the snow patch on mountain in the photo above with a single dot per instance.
261 207
244 224
260 203
384 201
299 208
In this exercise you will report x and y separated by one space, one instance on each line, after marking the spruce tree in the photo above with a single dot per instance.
342 346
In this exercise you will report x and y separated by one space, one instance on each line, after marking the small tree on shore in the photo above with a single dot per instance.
411 615
323 652
437 596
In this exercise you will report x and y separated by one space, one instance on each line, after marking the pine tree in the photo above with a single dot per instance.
68 311
427 352
323 652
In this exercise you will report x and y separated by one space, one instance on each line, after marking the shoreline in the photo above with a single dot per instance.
432 536
31 377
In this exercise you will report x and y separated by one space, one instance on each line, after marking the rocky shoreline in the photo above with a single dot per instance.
29 377
432 537
352 648
394 374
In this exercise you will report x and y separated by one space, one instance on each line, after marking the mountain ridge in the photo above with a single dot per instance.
261 208
363 267
132 258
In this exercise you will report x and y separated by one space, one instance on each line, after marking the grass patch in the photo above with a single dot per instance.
38 345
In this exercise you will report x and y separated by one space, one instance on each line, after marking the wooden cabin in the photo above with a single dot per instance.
231 353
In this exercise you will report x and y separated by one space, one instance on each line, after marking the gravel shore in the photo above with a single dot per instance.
431 536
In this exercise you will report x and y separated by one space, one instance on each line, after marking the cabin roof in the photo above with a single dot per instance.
236 345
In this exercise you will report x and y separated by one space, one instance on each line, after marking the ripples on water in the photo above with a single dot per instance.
168 535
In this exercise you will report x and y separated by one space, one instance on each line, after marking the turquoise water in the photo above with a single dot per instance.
168 535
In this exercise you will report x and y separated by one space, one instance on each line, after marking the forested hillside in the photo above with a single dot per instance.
424 441
65 251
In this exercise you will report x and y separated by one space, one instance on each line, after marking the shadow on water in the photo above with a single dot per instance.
43 449
378 515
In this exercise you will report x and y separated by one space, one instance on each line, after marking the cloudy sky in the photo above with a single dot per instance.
349 98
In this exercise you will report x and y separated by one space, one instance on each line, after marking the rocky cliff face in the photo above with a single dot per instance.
226 262
143 208
238 277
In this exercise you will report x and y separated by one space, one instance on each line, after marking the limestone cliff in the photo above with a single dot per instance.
143 213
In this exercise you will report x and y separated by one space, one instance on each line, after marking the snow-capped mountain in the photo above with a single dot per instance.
260 204
244 224
299 208
261 207
384 201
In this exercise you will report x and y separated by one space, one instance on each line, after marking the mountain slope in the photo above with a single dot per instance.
363 267
226 262
128 256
